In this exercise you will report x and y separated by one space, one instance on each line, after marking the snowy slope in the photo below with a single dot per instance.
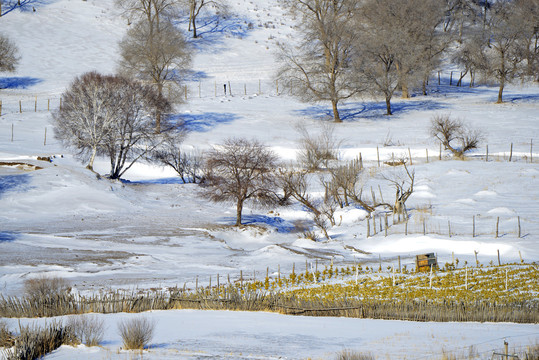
155 232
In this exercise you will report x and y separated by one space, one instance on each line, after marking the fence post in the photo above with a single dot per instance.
230 89
48 104
12 130
410 156
511 153
20 106
0 104
439 78
449 227
378 155
427 152
519 228
440 156
487 154
245 89
497 225
499 261
451 79
45 139
259 87
35 105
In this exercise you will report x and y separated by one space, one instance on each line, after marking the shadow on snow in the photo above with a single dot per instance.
20 82
14 183
204 122
276 222
368 110
213 30
25 5
7 236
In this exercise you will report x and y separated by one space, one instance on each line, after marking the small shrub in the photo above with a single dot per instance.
88 329
35 342
353 355
46 287
136 333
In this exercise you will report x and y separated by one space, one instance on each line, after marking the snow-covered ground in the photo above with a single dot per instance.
191 334
154 231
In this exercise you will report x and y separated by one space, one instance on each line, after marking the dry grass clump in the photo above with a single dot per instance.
136 333
89 329
6 336
353 355
35 342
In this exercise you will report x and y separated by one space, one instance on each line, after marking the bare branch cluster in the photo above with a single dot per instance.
241 170
9 57
450 131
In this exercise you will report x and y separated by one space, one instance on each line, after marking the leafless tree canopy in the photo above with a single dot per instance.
241 170
154 50
319 69
319 149
189 165
450 131
9 57
109 115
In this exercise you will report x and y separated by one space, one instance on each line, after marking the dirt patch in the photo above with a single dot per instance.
20 165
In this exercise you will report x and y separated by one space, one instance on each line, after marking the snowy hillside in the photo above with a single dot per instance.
152 231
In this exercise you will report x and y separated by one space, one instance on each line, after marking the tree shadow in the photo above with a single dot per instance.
369 110
192 75
281 225
19 82
8 236
204 122
25 5
213 30
163 181
14 183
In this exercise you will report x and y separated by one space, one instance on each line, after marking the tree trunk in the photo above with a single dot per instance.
336 115
158 113
239 208
194 28
388 106
90 165
404 89
500 91
502 78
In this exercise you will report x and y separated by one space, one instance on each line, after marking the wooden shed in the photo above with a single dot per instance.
423 262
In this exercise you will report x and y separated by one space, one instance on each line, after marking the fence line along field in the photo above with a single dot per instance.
482 293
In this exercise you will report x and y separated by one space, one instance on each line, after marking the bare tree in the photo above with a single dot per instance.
403 181
153 50
400 43
241 170
448 131
528 13
316 150
197 7
151 11
9 57
319 68
111 116
189 165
